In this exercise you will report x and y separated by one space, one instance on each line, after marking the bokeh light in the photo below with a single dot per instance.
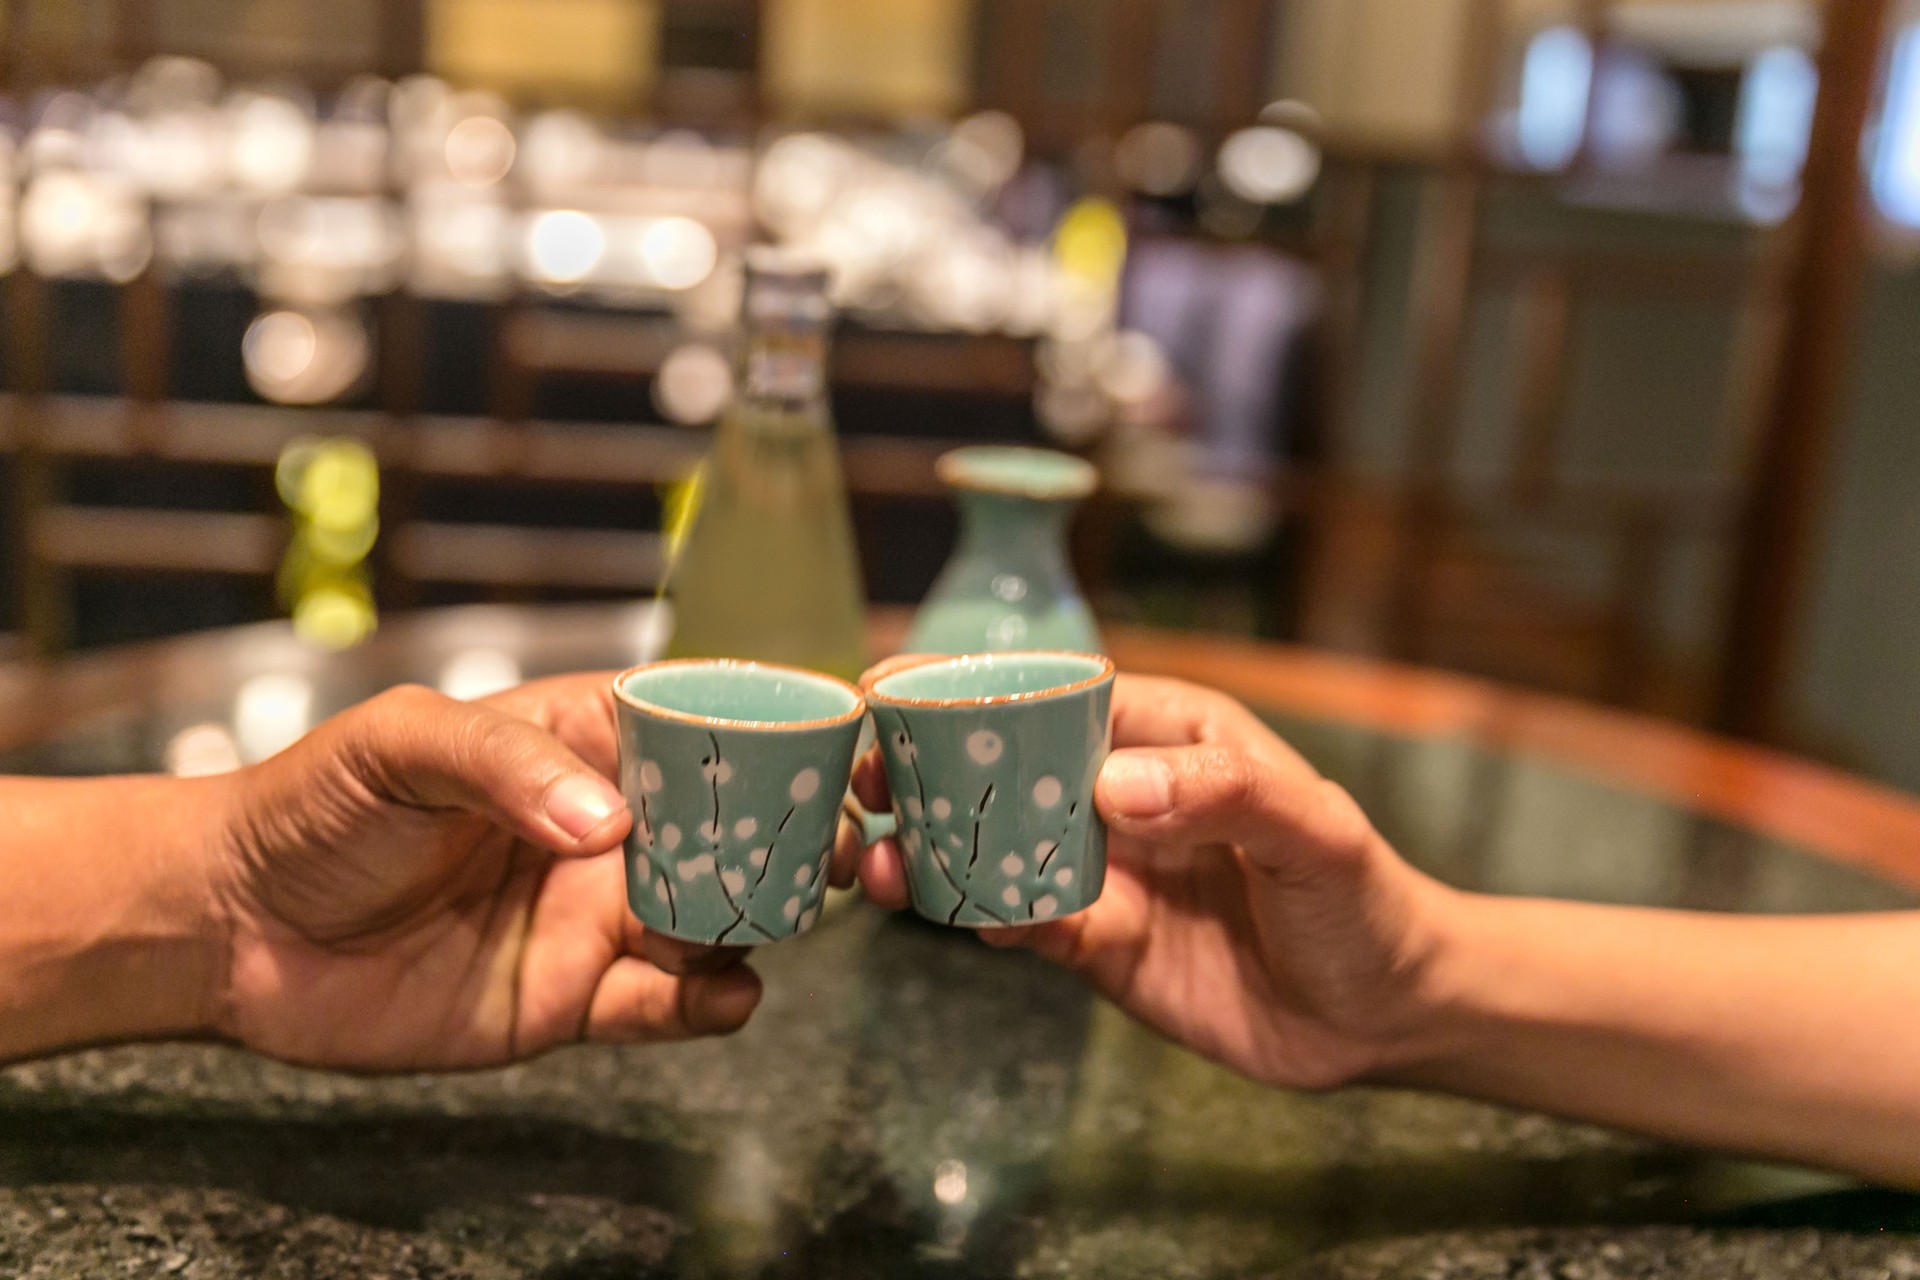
1896 158
298 357
74 222
271 141
694 384
271 712
986 149
561 151
564 246
678 253
1555 84
332 491
1268 165
1158 158
480 151
477 673
202 751
1776 116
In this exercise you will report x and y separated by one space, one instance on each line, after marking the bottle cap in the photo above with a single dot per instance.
788 266
786 286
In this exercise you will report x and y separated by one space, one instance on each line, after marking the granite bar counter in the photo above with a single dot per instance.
909 1102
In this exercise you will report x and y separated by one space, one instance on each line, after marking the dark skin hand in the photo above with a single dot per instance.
421 883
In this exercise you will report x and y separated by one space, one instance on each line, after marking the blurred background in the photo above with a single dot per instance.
1568 344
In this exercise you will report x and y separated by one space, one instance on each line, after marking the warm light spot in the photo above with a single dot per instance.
694 384
480 151
272 143
1267 165
678 253
950 1182
564 246
476 673
270 712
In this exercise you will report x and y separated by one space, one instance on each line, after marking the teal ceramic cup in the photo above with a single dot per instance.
991 761
735 772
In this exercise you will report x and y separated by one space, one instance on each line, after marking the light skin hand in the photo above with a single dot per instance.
1252 914
1250 910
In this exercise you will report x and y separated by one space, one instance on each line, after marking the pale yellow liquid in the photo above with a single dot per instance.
769 570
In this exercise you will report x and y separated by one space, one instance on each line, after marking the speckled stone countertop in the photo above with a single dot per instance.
910 1103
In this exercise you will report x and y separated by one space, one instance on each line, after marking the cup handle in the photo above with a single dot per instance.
874 827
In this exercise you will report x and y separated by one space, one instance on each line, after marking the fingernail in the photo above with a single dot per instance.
721 1002
581 803
1137 786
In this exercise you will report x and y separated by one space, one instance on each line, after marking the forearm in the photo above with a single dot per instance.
1795 1038
106 912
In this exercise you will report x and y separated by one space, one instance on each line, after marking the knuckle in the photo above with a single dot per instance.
1226 779
407 700
1341 824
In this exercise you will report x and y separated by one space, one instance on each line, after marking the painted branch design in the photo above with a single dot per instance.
1054 847
934 852
666 881
771 846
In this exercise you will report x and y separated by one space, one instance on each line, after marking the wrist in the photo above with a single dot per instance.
1429 1023
113 928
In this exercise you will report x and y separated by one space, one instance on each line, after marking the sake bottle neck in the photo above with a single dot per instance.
787 320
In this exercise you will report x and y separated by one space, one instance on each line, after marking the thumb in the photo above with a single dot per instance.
1214 794
414 747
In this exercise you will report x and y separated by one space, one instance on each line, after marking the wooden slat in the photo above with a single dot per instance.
588 454
138 540
592 454
542 343
510 556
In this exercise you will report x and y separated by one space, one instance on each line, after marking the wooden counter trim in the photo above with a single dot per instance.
1796 801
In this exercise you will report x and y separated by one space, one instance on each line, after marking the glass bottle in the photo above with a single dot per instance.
769 570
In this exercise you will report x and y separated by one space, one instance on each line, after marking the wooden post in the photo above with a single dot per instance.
403 38
134 38
1777 539
1449 236
39 603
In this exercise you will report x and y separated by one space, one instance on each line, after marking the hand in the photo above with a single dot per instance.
422 883
1250 911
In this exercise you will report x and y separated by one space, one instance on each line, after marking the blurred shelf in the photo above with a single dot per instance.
130 540
591 454
546 342
510 556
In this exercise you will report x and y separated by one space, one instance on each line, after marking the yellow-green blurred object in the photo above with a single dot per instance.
1090 244
767 569
332 491
682 504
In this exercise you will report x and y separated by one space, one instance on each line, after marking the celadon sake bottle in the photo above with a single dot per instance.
769 569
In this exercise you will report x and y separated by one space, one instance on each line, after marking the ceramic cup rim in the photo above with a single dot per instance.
955 469
632 703
871 682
